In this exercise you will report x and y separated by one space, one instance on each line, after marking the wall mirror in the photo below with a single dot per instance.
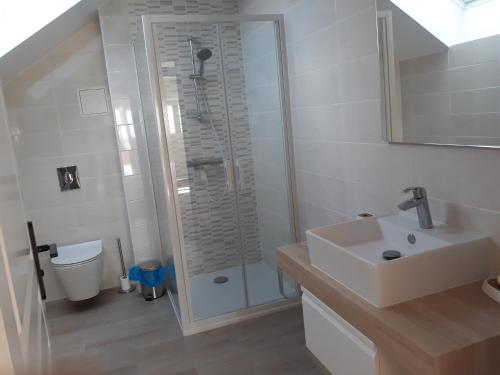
440 70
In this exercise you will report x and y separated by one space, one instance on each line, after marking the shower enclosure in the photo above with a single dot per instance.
221 121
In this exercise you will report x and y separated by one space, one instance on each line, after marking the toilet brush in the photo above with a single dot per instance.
125 286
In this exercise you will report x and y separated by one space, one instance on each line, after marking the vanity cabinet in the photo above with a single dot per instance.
440 334
340 347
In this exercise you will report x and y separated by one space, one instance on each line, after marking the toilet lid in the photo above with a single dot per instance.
77 253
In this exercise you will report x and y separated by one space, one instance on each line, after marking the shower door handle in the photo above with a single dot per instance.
281 284
228 171
240 177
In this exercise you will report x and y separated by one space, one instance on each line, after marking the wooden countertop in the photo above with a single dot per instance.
452 332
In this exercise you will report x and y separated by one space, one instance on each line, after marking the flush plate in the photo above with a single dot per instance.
68 178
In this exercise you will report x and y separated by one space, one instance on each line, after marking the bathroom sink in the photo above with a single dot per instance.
430 260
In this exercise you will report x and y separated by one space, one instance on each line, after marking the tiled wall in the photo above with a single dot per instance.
153 152
452 96
121 25
343 166
47 132
266 130
124 47
126 105
210 229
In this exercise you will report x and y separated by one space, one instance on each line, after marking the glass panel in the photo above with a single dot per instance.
199 146
221 96
156 168
262 174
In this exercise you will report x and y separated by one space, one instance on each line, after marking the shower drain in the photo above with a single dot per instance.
391 254
221 279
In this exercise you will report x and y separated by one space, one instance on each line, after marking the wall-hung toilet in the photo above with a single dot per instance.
79 269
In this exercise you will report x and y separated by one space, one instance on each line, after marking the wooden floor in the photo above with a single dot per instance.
125 335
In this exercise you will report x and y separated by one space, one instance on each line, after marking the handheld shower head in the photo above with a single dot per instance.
203 55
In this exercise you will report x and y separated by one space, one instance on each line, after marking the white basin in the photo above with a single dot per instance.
441 258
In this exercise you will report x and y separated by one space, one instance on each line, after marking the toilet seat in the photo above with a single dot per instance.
79 269
75 265
77 255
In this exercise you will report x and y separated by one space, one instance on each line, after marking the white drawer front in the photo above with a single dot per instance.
336 344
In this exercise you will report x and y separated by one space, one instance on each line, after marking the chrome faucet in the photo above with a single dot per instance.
421 202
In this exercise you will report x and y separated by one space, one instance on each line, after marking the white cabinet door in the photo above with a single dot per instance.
341 348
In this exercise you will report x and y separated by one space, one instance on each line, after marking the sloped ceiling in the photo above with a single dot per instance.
35 47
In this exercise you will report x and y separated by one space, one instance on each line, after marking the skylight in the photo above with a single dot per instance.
17 23
465 20
467 3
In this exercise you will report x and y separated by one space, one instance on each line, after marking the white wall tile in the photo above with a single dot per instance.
115 29
359 79
322 122
84 65
30 93
127 139
306 17
134 187
40 171
66 90
361 121
130 163
69 118
48 132
98 189
314 51
34 120
38 145
308 89
120 58
44 195
356 37
95 164
462 183
351 7
88 140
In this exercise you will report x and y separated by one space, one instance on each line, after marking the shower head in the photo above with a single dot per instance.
204 54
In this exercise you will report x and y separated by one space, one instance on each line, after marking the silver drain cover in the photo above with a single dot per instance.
221 279
391 254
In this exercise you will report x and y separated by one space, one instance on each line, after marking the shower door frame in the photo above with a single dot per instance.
189 324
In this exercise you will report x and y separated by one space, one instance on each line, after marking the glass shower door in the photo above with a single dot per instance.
221 95
253 91
200 152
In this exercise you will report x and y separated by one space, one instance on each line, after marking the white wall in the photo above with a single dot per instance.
343 166
48 132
